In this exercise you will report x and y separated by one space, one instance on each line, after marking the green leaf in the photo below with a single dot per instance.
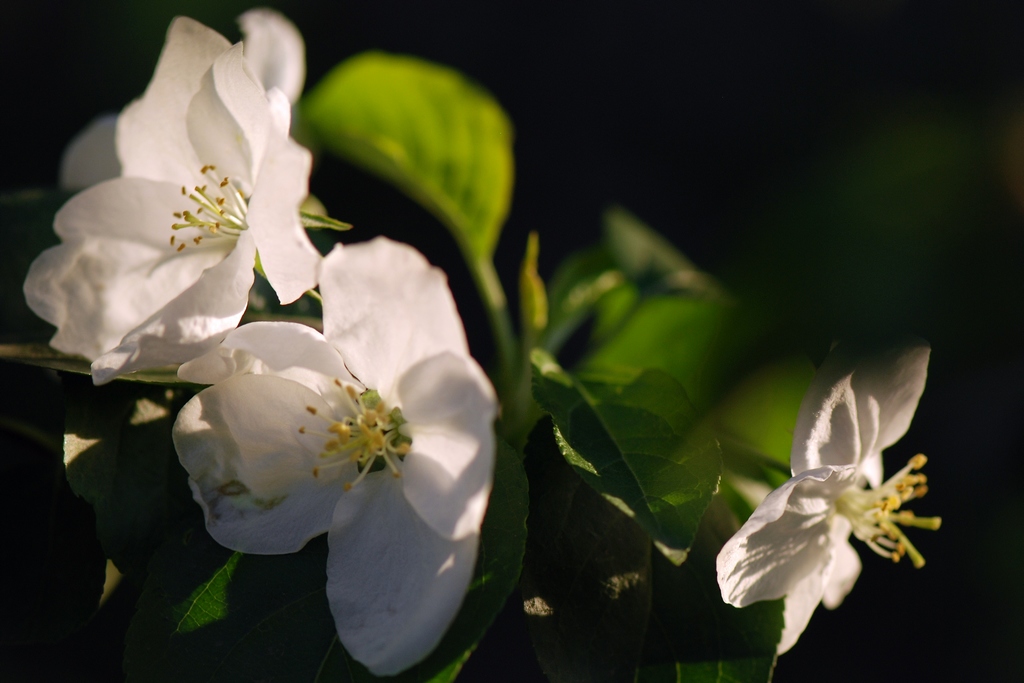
578 284
210 614
440 138
759 414
45 356
317 222
26 219
586 578
533 301
499 560
651 261
677 335
54 567
693 636
631 437
120 458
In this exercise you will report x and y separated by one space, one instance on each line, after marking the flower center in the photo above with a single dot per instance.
221 212
876 515
370 438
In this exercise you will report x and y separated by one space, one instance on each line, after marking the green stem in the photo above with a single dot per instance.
493 296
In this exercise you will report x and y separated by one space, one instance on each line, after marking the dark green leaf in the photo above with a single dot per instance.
586 578
575 288
120 458
54 566
499 560
693 636
26 219
210 614
317 222
651 261
440 138
631 437
45 356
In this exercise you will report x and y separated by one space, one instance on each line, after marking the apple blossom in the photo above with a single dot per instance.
155 266
378 432
796 543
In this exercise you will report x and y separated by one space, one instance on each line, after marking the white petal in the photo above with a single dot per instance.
189 325
229 120
386 309
800 603
289 259
786 539
271 347
847 565
450 407
152 140
275 51
857 406
115 267
249 467
393 584
91 156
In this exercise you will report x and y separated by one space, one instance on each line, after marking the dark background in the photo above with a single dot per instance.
850 166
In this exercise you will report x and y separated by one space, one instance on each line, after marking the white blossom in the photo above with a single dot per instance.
796 543
378 432
155 266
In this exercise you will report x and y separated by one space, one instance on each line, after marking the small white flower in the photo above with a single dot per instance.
155 266
274 52
378 432
796 543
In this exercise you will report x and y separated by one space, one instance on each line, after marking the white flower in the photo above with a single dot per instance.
378 432
795 544
155 266
274 52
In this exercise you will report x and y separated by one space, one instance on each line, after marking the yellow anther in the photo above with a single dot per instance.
198 239
183 190
918 461
316 471
331 445
172 240
348 486
311 410
403 448
181 246
224 183
302 430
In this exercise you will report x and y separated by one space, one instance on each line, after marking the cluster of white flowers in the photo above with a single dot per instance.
796 543
378 432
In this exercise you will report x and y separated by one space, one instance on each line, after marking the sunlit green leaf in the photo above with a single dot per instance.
440 138
499 560
631 436
120 458
586 579
677 335
577 285
693 636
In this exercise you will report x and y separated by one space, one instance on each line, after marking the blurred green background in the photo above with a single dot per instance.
847 168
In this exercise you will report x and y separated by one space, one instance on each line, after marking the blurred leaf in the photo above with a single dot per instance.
210 614
440 138
693 636
533 300
586 579
651 261
759 415
54 566
575 288
498 563
631 437
674 334
120 458
26 219
317 222
45 356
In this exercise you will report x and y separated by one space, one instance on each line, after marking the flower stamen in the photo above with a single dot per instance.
215 216
876 516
